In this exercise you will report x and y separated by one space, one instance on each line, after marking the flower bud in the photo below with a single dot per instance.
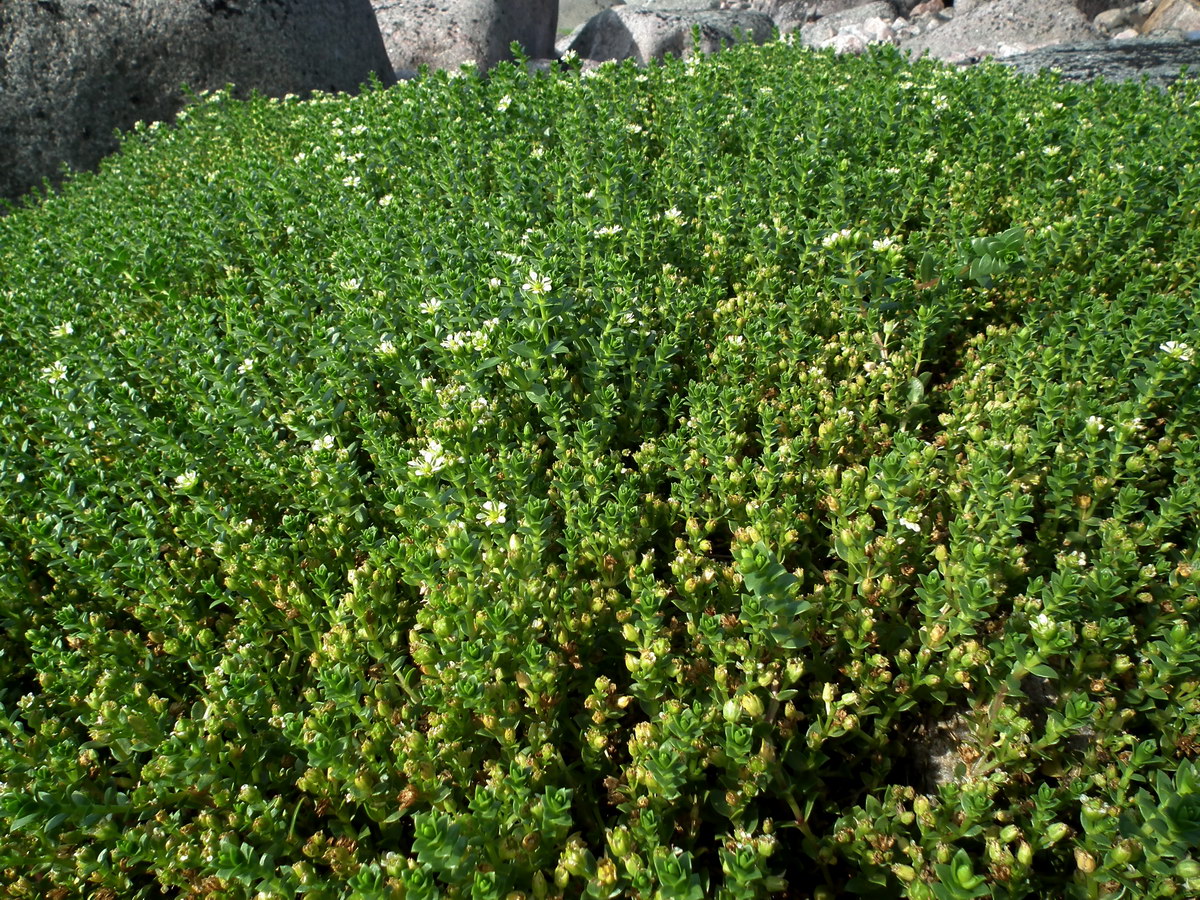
561 876
905 873
1125 852
1084 861
1055 833
1025 854
1188 868
1009 833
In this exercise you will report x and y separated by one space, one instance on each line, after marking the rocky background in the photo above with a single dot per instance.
74 71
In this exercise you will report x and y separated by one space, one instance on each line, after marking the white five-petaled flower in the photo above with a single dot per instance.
323 443
537 284
385 200
246 366
608 229
674 215
55 372
911 526
431 460
351 284
882 244
386 348
1094 425
1177 350
493 513
352 181
505 103
187 480
62 330
430 306
1052 151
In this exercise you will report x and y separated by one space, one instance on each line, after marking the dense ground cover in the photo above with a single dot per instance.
769 475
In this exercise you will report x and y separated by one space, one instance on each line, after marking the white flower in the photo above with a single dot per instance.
431 460
456 340
569 56
634 128
187 480
736 339
246 366
322 443
385 200
1044 627
479 404
386 348
1094 425
358 129
55 372
351 284
62 330
608 229
494 282
835 238
538 151
674 215
911 526
493 513
505 103
1177 350
882 244
537 284
430 306
351 181
20 477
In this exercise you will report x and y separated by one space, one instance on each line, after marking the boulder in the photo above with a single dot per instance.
850 30
628 32
1159 60
1003 28
1173 15
445 34
73 71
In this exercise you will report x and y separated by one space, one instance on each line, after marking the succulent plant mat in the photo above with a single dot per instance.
770 474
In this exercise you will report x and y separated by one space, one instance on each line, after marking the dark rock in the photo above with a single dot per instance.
1158 60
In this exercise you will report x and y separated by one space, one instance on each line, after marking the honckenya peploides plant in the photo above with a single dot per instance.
767 475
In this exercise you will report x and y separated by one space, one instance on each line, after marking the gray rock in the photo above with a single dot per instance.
1004 27
627 32
1158 60
445 34
73 71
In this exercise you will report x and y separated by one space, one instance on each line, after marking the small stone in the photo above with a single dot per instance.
1112 19
928 8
